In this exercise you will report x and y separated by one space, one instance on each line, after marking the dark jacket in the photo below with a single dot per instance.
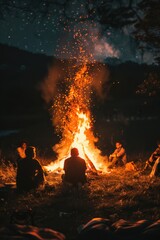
75 168
29 174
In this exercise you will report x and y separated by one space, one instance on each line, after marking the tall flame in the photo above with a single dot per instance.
72 101
72 119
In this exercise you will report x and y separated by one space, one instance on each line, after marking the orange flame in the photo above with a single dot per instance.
73 119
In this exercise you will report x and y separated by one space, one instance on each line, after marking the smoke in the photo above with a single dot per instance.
71 93
84 45
49 86
84 40
102 50
98 46
100 79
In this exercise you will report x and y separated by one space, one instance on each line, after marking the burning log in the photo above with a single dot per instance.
90 164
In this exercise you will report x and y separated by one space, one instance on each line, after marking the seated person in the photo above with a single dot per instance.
154 156
156 169
118 157
29 172
75 168
21 151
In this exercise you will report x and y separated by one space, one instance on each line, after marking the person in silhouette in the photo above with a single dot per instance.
153 158
74 168
30 174
21 151
118 157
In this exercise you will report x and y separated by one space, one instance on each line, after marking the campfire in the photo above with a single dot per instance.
72 101
72 118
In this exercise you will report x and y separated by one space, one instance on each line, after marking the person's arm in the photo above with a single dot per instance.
151 158
121 152
39 170
152 155
67 164
157 152
19 152
114 154
40 167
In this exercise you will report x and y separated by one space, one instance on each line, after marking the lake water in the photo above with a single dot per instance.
4 133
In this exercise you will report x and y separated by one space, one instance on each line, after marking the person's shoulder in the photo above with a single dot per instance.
81 159
18 148
68 159
35 160
123 147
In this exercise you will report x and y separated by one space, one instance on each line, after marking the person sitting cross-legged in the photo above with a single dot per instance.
118 157
152 159
30 174
74 168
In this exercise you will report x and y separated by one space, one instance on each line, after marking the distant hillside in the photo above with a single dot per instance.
20 72
17 57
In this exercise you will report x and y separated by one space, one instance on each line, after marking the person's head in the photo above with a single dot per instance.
74 152
30 152
118 144
23 144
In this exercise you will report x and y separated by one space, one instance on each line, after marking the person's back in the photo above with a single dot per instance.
29 173
75 168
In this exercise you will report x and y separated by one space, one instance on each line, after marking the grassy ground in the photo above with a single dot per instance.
119 194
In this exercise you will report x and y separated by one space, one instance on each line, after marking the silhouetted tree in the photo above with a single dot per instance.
150 86
147 30
142 17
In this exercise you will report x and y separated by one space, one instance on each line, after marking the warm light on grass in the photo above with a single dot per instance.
114 196
7 172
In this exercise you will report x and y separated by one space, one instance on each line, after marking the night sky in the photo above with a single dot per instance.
38 35
48 36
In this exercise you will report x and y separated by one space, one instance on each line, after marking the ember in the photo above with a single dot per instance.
72 114
71 110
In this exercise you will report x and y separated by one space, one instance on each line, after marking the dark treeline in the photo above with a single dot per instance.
123 111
